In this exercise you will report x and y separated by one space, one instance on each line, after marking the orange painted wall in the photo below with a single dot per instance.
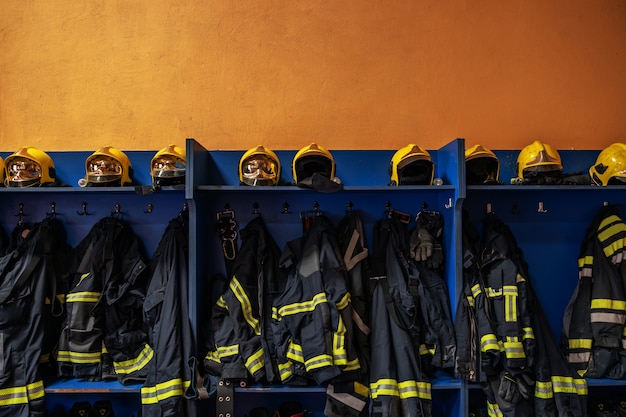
352 74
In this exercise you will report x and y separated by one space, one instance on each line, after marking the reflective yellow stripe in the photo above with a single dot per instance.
489 342
294 352
163 391
83 297
528 333
601 303
580 343
285 370
494 410
79 357
352 365
340 355
35 390
303 307
319 361
255 362
246 306
514 349
221 303
543 390
224 351
22 395
585 261
386 386
135 364
275 315
13 396
415 389
212 356
476 291
344 302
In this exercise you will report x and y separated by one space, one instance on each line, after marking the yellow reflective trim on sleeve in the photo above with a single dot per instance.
164 390
304 306
528 333
213 356
294 352
585 261
319 361
344 302
602 303
489 342
543 390
285 370
35 390
493 410
275 315
13 396
415 389
225 351
580 343
221 303
135 364
83 297
352 365
514 350
79 357
255 362
385 386
476 290
246 305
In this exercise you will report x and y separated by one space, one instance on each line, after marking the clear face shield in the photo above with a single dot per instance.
259 170
103 170
167 170
23 172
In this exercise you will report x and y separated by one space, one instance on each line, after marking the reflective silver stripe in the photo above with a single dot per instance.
607 318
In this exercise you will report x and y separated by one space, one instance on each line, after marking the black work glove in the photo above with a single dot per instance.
514 388
421 244
425 242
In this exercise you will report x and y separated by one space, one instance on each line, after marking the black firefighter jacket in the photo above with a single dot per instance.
398 384
594 319
241 318
104 336
30 275
171 373
312 317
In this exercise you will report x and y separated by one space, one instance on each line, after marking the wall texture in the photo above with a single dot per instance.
351 74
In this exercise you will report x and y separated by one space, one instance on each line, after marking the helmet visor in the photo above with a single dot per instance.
309 165
103 169
259 170
168 166
482 171
23 172
415 173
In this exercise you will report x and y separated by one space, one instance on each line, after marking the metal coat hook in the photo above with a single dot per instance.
489 209
449 204
316 208
53 209
285 208
388 208
83 212
149 208
515 208
255 208
350 205
540 208
118 211
20 213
